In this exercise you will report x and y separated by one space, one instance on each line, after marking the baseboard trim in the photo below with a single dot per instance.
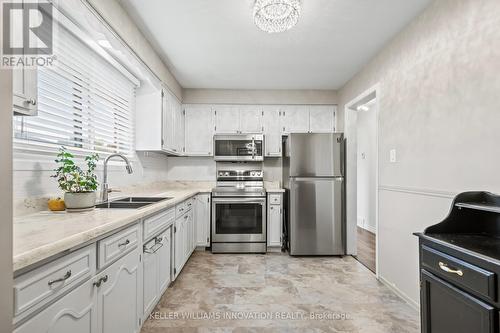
418 191
371 229
401 294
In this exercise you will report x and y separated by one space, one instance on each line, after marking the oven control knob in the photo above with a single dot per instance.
252 173
226 174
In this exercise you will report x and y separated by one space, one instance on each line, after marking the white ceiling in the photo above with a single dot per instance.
215 44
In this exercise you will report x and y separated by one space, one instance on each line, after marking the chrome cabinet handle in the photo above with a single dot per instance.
104 279
445 268
153 249
64 278
127 242
31 101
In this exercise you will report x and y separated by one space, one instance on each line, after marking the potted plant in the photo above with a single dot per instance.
79 185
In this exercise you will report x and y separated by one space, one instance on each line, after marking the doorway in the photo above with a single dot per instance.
362 176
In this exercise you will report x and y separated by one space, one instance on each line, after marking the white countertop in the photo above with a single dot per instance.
44 234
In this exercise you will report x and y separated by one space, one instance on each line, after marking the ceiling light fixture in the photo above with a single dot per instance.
276 15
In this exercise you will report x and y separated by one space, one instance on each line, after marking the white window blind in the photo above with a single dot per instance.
84 104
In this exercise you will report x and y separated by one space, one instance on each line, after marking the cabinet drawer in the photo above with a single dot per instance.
35 288
274 199
459 272
115 246
180 209
156 223
189 204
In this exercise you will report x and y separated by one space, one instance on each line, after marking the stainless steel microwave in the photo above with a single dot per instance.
239 147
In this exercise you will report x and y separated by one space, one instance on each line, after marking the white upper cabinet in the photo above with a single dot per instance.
295 119
159 122
199 122
250 119
24 91
227 119
272 131
322 118
238 119
179 127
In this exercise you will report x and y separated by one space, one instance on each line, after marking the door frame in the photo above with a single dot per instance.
350 119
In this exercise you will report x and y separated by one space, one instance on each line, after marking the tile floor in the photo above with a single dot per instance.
277 293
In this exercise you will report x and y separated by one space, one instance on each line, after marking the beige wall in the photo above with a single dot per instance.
200 96
123 25
439 87
6 304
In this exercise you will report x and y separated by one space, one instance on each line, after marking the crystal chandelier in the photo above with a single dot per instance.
276 15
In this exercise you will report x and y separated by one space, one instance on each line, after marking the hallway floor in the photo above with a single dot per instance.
366 249
275 293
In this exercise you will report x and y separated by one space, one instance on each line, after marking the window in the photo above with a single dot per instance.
84 103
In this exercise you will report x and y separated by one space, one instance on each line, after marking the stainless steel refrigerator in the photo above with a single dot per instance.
313 177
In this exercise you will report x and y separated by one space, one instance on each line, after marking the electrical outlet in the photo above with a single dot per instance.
393 156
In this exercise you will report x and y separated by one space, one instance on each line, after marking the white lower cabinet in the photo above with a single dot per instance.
184 236
75 313
156 270
150 278
274 220
202 219
165 261
118 296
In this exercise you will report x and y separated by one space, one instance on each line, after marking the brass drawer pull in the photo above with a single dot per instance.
64 278
445 268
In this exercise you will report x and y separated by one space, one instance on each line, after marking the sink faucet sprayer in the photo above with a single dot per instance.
105 190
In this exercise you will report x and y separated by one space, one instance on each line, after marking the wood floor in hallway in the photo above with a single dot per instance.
273 293
366 249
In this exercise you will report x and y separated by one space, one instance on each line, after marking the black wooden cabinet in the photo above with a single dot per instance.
445 308
460 268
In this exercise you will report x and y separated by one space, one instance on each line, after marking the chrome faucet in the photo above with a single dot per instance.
105 190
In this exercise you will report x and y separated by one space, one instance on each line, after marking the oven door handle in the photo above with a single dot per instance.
261 201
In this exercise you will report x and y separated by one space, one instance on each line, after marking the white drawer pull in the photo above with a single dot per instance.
445 268
64 278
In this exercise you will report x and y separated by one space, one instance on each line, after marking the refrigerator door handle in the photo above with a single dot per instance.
302 179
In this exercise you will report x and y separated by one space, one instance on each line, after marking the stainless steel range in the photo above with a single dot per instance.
239 212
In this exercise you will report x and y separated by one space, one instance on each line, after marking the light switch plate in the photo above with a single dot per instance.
393 156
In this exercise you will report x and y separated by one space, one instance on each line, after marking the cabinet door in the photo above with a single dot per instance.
250 119
274 226
178 245
179 127
118 297
24 90
24 79
168 119
227 119
75 313
296 119
272 131
199 122
150 278
322 118
202 220
445 308
164 261
187 236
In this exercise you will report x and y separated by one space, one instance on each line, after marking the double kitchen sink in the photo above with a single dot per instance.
131 202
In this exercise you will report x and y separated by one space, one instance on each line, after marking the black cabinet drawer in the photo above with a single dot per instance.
472 278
